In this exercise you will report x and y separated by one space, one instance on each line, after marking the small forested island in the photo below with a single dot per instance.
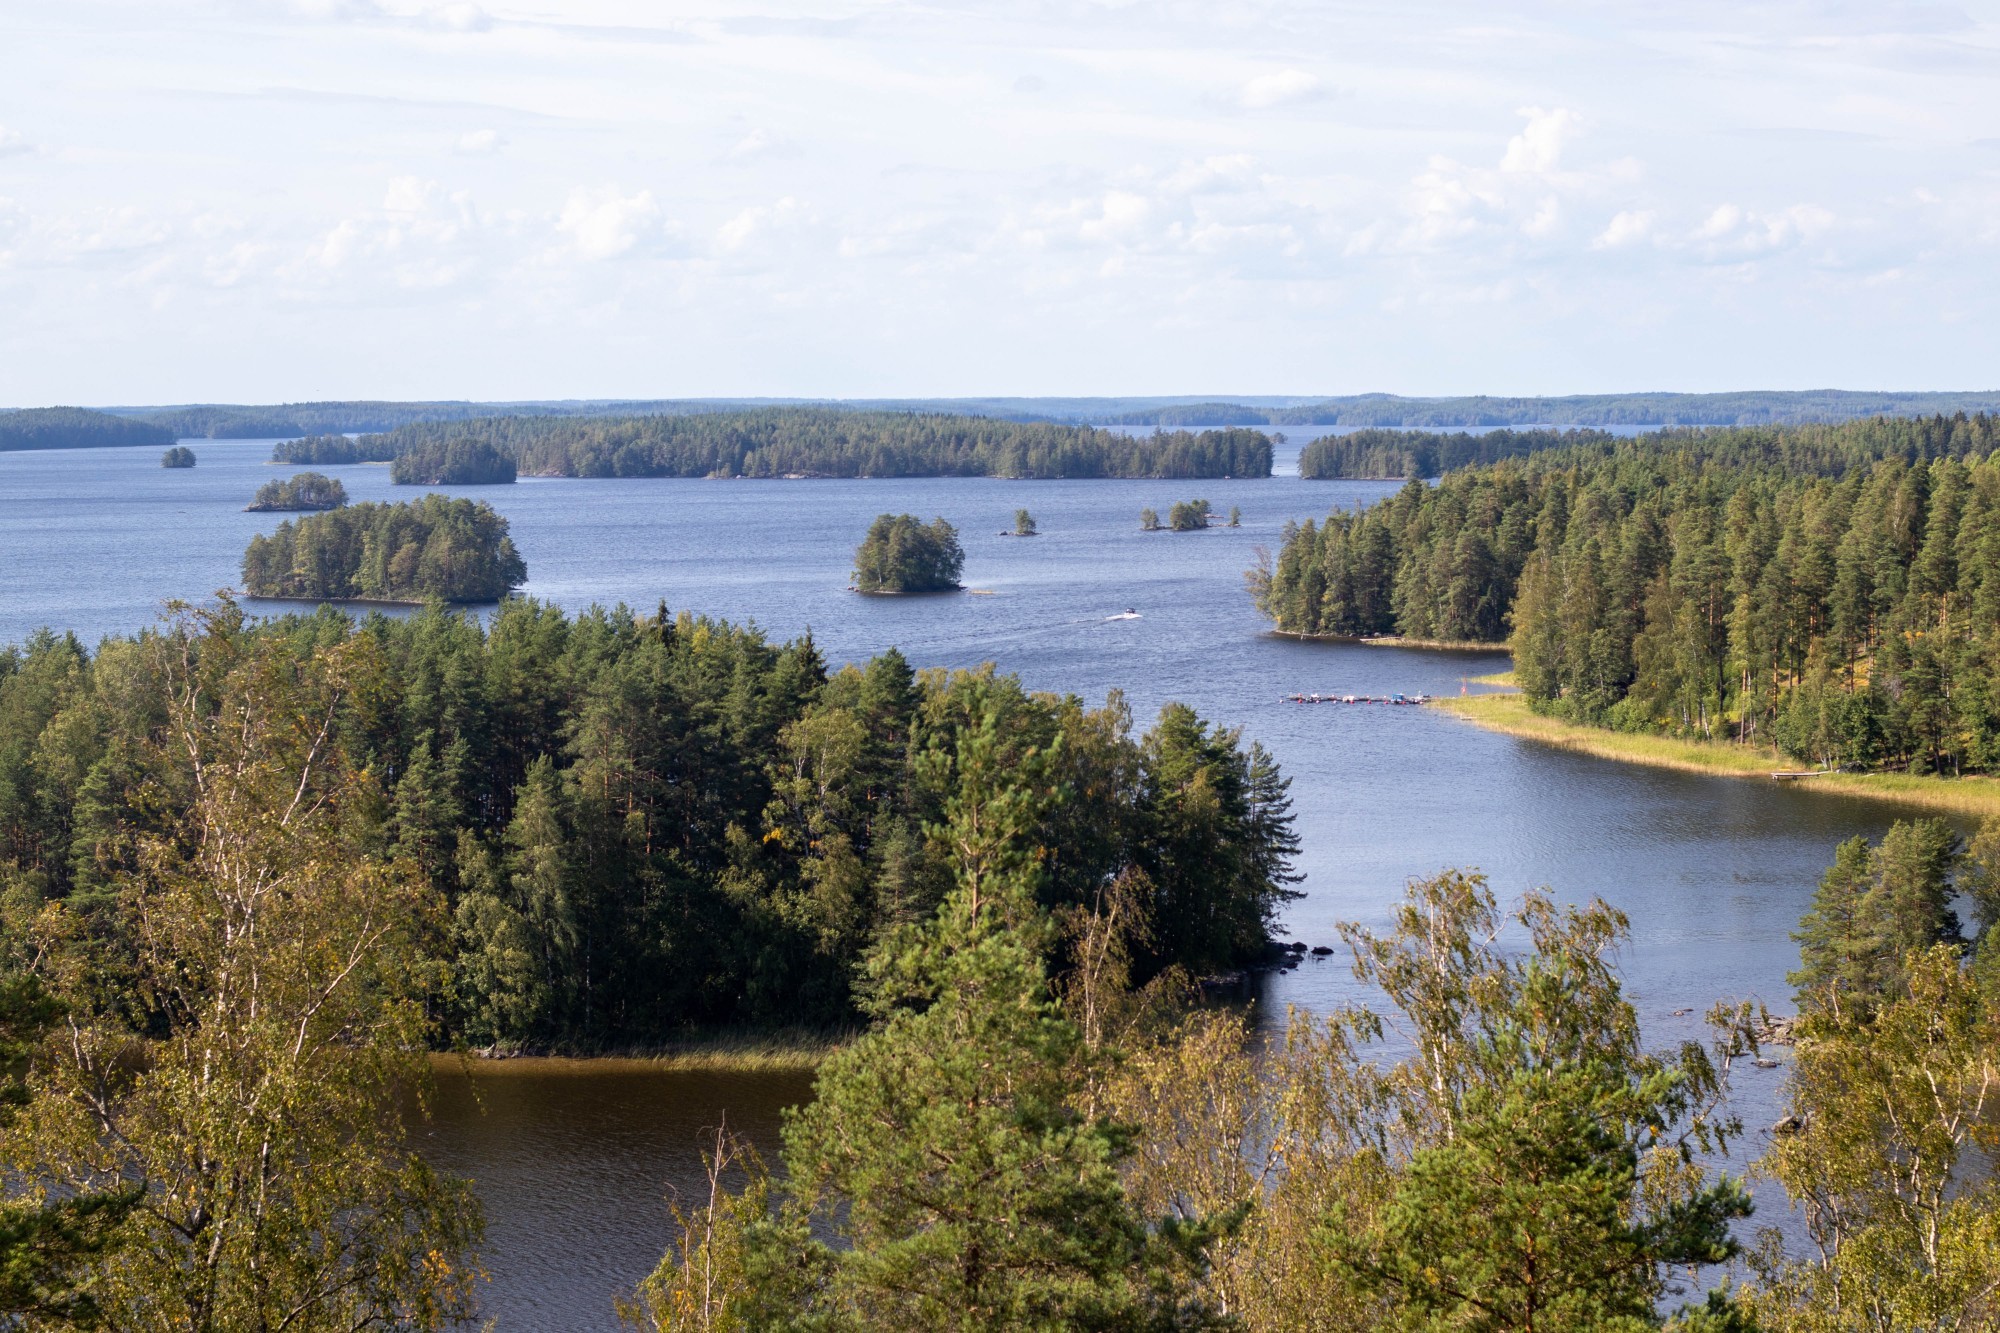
453 550
303 491
178 456
332 450
903 554
1188 516
829 442
1024 524
1376 454
452 463
76 428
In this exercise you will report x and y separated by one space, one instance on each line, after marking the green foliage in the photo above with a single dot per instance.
178 456
953 1180
1828 590
642 825
48 1246
247 1080
76 428
1493 1149
328 450
1188 516
831 442
1375 452
1875 907
901 554
1024 523
1890 1165
301 491
456 550
1235 517
454 462
1149 521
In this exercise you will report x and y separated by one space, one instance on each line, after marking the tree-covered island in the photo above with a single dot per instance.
178 456
333 450
301 491
810 442
453 550
76 428
903 554
452 463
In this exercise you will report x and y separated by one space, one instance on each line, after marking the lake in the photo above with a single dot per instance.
575 1162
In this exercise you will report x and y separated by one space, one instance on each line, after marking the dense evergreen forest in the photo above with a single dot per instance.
178 456
456 550
333 450
301 491
825 442
452 463
903 554
75 428
1814 448
641 826
1832 590
1378 453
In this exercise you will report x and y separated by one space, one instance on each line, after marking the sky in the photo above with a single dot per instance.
268 200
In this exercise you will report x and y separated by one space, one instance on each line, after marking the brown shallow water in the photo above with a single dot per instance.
578 1163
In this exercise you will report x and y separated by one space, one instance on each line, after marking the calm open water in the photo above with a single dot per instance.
575 1164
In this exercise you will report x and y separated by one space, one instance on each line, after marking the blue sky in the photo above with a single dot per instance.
252 200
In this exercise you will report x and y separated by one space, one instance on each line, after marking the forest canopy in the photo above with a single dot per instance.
332 450
454 550
76 428
826 442
1834 591
642 825
452 463
178 456
903 554
1377 453
301 491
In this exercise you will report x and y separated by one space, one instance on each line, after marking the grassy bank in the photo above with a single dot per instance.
774 1053
1394 641
1509 713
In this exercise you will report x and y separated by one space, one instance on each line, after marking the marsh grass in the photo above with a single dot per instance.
1510 713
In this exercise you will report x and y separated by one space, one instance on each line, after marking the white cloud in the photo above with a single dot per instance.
13 142
603 223
752 223
1277 88
1627 227
1538 147
761 143
474 142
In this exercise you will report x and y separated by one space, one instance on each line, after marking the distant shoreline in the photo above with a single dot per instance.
1394 641
365 601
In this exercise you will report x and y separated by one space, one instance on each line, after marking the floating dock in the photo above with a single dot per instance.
1395 700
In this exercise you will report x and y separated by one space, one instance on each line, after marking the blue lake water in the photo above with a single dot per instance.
1713 872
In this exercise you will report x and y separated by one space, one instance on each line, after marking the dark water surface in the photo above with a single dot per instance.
575 1165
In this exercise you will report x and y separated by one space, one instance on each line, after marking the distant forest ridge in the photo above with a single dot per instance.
75 428
1820 448
1758 408
1195 411
811 442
